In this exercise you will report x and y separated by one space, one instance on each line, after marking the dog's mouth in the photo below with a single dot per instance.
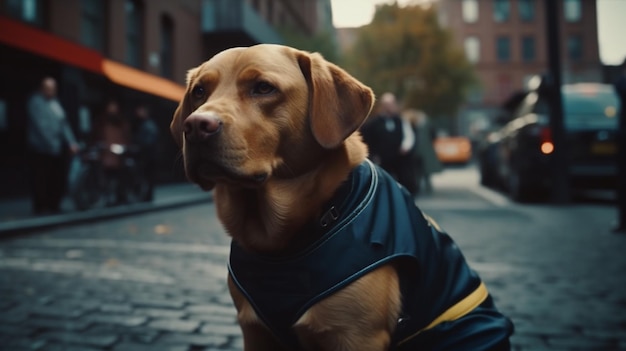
207 173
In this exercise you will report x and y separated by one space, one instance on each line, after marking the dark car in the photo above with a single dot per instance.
517 157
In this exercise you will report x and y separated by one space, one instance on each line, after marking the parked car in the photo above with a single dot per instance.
517 156
453 149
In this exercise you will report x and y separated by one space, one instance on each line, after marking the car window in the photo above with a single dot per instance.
526 106
590 108
541 107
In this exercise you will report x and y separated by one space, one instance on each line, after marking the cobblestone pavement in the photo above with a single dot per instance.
151 282
156 281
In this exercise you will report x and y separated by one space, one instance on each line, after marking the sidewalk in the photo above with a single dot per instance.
15 214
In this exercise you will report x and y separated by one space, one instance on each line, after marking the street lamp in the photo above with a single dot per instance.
560 182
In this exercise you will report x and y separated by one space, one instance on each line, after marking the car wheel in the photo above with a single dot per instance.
519 187
486 177
485 180
87 193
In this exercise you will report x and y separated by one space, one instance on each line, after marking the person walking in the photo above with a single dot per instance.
389 140
620 88
146 135
113 128
49 136
429 162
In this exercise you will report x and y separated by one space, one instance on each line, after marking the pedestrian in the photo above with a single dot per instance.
113 130
620 88
428 161
49 137
390 141
146 135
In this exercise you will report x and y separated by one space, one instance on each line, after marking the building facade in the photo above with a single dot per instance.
135 51
506 42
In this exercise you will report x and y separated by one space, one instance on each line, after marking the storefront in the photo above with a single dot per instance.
86 80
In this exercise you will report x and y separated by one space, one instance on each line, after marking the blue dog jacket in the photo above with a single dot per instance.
372 221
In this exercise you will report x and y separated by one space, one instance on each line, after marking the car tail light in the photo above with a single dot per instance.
545 137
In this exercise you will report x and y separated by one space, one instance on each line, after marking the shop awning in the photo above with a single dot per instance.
18 35
27 38
136 79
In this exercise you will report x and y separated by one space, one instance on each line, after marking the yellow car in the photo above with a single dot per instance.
453 150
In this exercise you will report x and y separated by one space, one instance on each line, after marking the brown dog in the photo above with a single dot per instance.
273 131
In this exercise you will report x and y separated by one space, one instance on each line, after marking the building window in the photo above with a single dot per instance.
503 49
528 49
575 47
470 11
472 49
92 24
572 9
30 11
134 33
501 10
167 46
526 10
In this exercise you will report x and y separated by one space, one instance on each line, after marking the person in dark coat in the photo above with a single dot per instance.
49 135
146 135
424 155
114 128
390 141
620 88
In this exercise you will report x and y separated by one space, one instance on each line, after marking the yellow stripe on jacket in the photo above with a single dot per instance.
458 310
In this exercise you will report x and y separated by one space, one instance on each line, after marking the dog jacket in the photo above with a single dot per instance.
372 221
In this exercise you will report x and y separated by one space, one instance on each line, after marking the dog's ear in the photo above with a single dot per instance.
338 103
182 111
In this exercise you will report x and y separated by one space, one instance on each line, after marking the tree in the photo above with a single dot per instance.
404 50
323 42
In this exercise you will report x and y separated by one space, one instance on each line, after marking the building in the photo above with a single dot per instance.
136 51
506 42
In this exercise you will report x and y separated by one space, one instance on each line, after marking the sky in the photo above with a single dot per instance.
611 23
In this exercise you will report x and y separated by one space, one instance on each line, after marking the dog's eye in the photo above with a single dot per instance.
197 92
263 88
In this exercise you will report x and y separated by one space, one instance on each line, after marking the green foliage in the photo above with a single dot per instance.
323 42
404 50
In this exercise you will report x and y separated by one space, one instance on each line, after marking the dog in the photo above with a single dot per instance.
328 251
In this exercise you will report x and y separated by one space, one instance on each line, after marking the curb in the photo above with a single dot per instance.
46 222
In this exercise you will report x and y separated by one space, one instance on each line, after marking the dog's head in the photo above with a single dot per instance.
250 114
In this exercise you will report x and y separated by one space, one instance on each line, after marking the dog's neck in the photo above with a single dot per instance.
269 219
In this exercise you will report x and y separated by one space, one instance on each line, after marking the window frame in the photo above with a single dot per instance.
167 30
97 18
526 39
575 54
501 7
17 9
466 7
526 7
468 47
499 49
135 19
576 7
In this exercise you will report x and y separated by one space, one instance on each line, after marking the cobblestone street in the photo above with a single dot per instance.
136 283
156 281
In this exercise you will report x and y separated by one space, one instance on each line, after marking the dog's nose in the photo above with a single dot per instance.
200 126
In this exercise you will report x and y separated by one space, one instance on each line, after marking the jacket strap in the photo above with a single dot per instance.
458 310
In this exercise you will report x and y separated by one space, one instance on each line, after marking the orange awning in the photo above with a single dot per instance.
38 42
136 79
22 36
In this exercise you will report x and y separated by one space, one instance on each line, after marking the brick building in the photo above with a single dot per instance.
137 51
506 42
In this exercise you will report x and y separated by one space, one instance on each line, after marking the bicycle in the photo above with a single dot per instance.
94 188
